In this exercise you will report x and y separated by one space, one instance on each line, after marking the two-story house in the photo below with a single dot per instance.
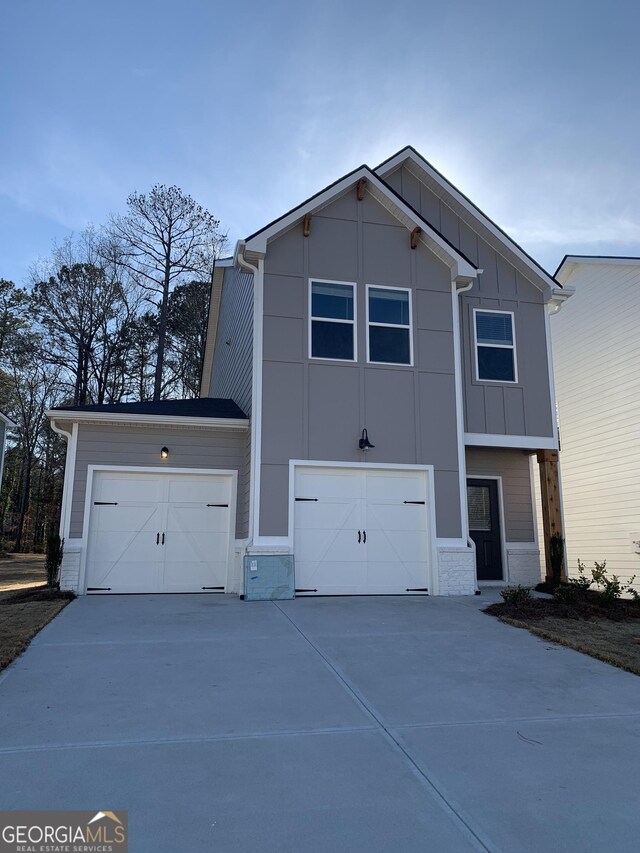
376 386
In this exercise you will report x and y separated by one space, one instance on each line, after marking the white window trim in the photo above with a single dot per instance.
370 323
352 285
511 346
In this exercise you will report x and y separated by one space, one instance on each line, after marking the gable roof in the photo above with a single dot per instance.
569 262
470 213
255 246
201 407
205 412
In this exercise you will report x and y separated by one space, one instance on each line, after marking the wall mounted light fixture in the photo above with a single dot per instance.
164 453
364 443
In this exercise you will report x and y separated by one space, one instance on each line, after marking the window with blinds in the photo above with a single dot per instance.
495 346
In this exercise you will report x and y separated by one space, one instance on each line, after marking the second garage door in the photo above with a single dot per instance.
159 532
361 531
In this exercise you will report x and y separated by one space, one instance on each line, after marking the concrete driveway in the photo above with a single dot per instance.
328 725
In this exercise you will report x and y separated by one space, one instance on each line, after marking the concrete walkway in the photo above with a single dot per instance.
386 725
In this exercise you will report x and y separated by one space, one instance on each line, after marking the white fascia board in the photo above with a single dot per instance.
559 297
570 262
142 420
421 168
256 247
224 262
523 442
6 420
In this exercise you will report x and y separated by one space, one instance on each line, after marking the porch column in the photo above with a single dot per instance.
551 507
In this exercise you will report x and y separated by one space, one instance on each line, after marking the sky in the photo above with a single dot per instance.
531 109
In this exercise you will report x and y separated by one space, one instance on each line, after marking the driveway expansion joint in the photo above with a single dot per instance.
453 811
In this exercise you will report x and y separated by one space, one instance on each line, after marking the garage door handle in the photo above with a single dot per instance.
163 538
364 536
359 537
157 538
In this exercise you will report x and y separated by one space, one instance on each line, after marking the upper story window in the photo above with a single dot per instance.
332 320
495 346
389 332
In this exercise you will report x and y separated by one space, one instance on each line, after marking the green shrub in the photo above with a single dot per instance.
556 556
566 593
582 581
53 560
515 594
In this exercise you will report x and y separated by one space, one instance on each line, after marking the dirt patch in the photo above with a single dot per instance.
609 632
22 614
18 571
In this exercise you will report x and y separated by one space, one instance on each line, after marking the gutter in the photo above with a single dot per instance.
69 472
79 417
256 387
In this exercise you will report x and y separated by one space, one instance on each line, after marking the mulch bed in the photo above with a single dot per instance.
608 631
23 613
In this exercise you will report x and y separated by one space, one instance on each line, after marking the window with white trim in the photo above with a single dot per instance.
495 346
332 319
389 332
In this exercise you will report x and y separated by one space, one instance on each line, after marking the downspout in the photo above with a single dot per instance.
256 388
69 466
459 288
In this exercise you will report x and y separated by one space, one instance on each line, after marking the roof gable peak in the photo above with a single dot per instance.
469 212
255 246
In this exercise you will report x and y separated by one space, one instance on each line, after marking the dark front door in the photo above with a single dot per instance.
484 528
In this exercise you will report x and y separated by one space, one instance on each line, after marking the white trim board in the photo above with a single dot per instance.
80 417
524 442
141 469
570 261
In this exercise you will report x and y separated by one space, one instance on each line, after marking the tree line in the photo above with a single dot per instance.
115 313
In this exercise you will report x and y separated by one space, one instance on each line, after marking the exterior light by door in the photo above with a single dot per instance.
164 453
364 443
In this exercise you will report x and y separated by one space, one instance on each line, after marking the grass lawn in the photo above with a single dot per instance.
22 614
610 633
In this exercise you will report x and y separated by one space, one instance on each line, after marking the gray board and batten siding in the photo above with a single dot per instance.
140 446
313 409
513 467
233 355
521 408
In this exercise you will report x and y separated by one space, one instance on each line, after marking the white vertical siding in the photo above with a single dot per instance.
596 346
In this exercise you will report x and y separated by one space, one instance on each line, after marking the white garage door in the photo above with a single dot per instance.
159 532
361 531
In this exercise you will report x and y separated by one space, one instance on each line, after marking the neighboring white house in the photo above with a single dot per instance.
596 348
5 424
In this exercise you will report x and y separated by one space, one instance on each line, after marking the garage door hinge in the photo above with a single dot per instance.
414 502
306 499
217 504
105 503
